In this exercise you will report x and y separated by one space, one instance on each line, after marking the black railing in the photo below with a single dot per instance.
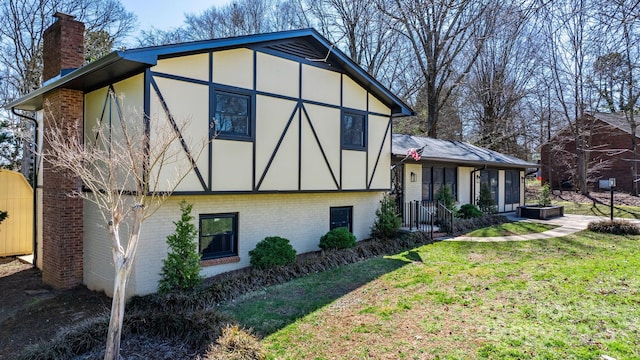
445 218
419 215
425 216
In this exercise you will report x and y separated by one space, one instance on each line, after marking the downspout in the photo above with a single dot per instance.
473 183
34 184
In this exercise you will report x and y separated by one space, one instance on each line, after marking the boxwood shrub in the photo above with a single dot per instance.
272 251
338 238
469 211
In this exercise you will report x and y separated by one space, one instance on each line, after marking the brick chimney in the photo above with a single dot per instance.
62 223
63 47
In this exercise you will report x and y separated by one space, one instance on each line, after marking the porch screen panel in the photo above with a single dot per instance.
490 179
427 184
512 186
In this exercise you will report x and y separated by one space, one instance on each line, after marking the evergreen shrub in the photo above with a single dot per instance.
338 238
445 196
469 211
485 200
272 251
387 221
181 268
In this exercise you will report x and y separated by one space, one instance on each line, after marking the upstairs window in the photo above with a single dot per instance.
353 131
233 115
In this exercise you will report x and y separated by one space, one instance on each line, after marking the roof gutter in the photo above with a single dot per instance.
61 81
34 185
475 163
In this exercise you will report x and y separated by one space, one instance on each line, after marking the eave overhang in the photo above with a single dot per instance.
121 64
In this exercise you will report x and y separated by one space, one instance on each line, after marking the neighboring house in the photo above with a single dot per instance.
302 144
609 150
461 166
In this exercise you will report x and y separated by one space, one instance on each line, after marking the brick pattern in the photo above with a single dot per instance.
62 215
605 137
63 46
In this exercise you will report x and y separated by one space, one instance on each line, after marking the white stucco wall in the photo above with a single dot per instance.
464 185
412 189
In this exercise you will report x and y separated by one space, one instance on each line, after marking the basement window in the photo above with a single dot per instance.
341 217
218 235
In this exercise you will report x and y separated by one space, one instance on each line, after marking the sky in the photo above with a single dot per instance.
166 14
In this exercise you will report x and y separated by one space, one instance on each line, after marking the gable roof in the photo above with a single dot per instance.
617 120
454 152
306 45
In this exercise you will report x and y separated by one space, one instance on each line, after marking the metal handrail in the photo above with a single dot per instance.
445 218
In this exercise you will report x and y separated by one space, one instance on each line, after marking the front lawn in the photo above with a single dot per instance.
514 228
571 298
619 211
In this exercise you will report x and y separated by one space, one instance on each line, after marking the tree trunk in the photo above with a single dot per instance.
112 351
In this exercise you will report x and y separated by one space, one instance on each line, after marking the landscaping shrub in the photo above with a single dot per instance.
617 227
236 344
189 317
3 215
338 238
181 268
469 211
485 200
445 196
544 198
466 225
387 221
272 251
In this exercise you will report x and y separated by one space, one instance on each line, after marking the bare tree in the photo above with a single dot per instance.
568 32
122 166
243 17
616 71
21 31
501 79
446 37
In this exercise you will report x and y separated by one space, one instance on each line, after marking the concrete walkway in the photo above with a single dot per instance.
567 224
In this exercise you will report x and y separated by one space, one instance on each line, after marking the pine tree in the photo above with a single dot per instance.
181 268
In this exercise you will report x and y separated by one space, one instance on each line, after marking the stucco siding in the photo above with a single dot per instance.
354 170
234 68
277 75
320 85
353 95
191 66
464 185
376 106
232 168
413 189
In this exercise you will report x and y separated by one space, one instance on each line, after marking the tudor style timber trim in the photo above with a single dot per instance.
302 130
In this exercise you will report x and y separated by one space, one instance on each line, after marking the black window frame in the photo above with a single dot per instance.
233 247
332 223
216 125
343 131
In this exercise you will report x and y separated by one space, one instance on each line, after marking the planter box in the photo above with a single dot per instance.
539 212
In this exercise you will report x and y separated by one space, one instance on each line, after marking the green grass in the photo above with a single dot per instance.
619 211
575 297
514 228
